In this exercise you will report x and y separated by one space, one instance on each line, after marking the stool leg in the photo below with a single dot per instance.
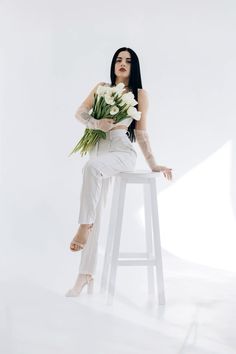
157 244
110 235
116 243
148 230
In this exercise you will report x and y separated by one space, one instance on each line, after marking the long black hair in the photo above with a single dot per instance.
134 84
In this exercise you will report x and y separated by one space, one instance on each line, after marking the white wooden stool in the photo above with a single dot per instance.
153 256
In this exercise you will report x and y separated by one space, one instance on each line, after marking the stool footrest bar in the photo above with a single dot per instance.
134 255
136 262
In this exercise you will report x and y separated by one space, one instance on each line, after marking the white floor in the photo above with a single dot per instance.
199 316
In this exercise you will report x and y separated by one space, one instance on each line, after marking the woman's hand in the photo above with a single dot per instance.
165 170
105 124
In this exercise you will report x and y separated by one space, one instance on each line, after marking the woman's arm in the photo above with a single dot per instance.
85 118
142 136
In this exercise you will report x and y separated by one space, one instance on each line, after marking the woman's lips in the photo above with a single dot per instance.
122 69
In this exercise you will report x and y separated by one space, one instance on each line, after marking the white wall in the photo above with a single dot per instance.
52 54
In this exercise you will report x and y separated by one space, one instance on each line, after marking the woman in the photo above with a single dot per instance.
109 156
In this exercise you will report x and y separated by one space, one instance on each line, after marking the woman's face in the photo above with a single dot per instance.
123 65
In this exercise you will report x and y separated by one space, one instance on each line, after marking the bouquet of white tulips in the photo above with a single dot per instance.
109 102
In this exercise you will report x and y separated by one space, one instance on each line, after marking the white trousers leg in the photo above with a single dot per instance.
89 255
110 156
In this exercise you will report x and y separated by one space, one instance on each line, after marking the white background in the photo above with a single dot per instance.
52 54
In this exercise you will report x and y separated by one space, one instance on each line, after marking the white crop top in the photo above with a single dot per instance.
127 121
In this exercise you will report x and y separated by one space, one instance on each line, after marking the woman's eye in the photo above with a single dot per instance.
128 62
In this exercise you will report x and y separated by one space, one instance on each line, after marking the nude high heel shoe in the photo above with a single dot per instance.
86 279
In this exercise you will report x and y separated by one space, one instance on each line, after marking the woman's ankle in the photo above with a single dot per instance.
86 225
86 274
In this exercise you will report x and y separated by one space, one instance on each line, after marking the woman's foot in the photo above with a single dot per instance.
81 237
81 281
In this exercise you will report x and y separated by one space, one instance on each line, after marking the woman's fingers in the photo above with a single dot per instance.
167 173
105 124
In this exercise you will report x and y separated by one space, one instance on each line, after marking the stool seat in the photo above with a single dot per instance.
152 258
139 173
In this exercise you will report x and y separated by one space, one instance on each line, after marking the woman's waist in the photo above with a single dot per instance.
116 141
116 132
119 138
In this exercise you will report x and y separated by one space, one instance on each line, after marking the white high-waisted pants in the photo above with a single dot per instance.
108 157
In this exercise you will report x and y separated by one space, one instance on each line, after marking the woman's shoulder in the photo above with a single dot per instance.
142 91
103 83
142 94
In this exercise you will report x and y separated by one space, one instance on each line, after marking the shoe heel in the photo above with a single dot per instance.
90 286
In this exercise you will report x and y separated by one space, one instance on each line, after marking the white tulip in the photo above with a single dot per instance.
108 99
103 90
119 88
108 90
100 90
128 98
132 112
114 110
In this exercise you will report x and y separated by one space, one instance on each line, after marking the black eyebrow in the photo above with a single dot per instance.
121 58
